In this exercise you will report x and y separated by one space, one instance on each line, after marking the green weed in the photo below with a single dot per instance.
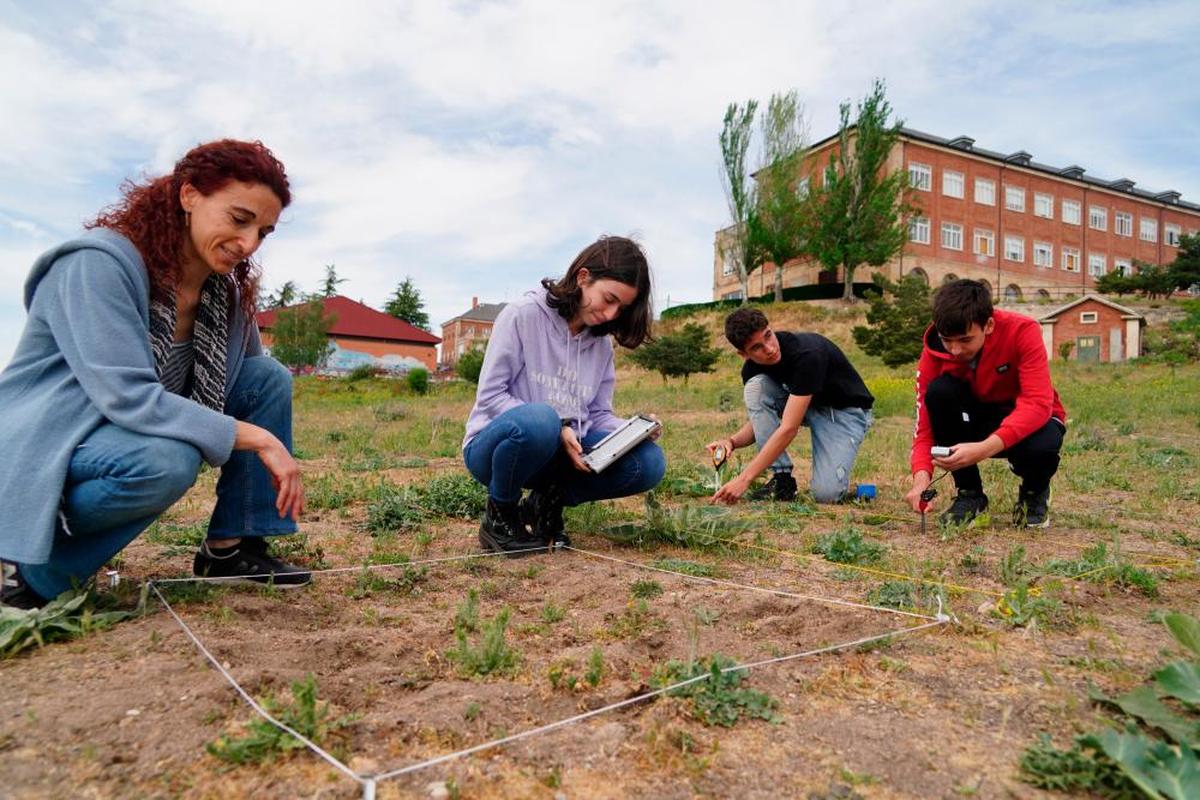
488 653
552 613
848 546
70 615
393 509
685 567
720 698
595 667
646 589
454 494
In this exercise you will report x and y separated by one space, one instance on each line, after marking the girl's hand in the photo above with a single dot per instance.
657 432
574 449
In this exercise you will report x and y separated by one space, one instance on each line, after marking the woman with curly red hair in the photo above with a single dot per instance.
140 357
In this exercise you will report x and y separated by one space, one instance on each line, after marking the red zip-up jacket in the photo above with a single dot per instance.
1011 366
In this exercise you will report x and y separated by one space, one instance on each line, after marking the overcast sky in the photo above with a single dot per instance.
477 146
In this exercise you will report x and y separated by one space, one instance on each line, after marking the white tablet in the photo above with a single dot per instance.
619 442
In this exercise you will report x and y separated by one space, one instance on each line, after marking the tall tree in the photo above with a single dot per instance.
859 215
406 304
776 233
895 329
675 354
736 247
331 282
285 295
299 338
1185 269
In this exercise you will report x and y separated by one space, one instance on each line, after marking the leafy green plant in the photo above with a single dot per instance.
848 546
719 699
552 613
454 494
1132 761
595 667
418 380
1014 568
393 509
68 616
696 527
685 567
1099 564
263 741
371 582
646 589
1024 604
488 653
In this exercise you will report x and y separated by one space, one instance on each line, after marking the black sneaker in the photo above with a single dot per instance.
502 531
542 511
1032 509
249 562
15 592
969 504
781 487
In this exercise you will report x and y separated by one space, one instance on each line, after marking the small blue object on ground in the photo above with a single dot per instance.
865 491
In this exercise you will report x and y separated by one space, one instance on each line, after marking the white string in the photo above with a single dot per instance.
643 697
245 696
779 592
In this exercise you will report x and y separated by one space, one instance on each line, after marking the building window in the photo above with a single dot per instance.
918 230
952 236
985 191
1014 198
985 242
1123 224
1149 230
1014 248
1043 205
1097 264
952 183
920 176
1070 259
1043 254
1098 218
1071 211
1089 317
1123 266
1171 235
802 188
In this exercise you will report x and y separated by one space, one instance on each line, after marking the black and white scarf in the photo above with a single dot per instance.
210 340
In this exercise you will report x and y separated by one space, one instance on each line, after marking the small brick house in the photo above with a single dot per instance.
361 335
1098 329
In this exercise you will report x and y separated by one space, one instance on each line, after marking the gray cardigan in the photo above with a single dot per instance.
84 359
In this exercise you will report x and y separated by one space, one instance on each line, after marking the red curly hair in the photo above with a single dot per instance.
150 215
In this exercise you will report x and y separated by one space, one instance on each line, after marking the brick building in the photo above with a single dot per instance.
472 328
1027 229
361 335
1096 329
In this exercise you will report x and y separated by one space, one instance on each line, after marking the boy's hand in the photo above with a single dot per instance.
969 453
727 443
920 482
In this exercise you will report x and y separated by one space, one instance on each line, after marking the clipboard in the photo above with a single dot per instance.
633 432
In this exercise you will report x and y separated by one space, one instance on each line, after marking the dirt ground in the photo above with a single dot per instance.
946 712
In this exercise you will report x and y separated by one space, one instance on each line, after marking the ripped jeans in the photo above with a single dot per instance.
837 433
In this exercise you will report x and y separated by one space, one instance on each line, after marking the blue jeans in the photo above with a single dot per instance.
837 433
521 448
119 482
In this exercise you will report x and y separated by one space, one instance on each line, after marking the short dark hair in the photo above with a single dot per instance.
960 304
614 258
742 324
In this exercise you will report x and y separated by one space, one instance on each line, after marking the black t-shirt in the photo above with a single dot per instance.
811 364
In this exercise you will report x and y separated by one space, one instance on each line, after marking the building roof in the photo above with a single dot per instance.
352 318
1126 313
1023 159
484 312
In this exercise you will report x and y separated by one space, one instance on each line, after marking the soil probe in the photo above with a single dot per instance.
718 458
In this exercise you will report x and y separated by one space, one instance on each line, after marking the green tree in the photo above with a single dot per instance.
331 282
1153 280
285 295
736 245
675 354
1185 269
469 365
859 215
1116 283
406 304
776 233
895 328
299 338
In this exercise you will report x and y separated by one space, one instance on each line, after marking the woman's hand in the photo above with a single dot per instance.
284 471
657 432
573 449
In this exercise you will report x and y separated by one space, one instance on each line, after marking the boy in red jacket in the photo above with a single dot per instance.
983 390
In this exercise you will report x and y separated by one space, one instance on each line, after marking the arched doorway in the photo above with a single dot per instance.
988 285
920 273
950 276
1042 294
1012 293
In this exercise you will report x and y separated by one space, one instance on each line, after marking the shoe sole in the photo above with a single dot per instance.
241 580
492 546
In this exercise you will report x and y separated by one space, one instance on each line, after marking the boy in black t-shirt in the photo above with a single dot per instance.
794 379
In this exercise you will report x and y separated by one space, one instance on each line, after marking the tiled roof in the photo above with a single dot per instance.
355 319
484 312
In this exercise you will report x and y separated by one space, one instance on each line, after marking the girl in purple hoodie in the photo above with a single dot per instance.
545 397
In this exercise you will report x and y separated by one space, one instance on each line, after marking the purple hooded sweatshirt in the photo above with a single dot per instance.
532 357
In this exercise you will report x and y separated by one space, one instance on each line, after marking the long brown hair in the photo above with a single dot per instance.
615 258
150 215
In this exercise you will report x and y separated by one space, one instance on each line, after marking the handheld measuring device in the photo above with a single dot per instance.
940 452
719 454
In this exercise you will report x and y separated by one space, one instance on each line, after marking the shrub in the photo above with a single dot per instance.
418 380
895 328
469 365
